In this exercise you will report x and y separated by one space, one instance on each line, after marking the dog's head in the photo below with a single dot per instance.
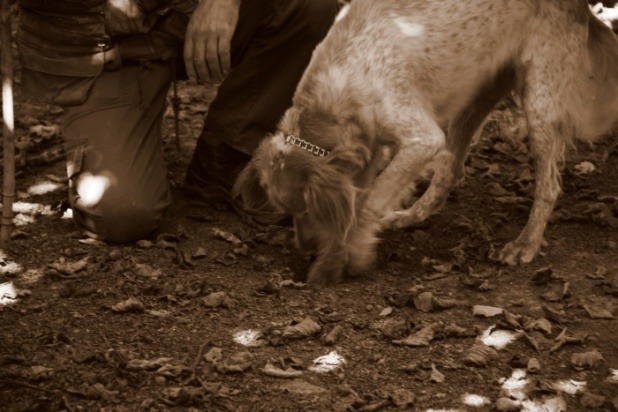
298 182
319 192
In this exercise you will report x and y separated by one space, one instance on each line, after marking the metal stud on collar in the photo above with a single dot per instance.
292 140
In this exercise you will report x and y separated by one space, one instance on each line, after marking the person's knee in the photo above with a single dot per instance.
129 222
122 216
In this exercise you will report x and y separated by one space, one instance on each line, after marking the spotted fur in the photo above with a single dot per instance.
397 74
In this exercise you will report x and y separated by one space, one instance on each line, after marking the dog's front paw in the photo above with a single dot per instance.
518 252
401 219
321 276
394 220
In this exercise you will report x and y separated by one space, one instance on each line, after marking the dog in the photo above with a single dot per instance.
400 84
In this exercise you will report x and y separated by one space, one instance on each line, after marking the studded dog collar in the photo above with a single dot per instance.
292 140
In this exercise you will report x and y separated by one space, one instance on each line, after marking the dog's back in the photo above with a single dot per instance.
445 51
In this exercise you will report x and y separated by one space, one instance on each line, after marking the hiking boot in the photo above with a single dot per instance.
213 169
211 175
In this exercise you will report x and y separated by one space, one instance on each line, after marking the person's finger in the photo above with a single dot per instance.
212 57
188 57
225 54
200 62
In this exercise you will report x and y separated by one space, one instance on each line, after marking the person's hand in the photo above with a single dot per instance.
208 40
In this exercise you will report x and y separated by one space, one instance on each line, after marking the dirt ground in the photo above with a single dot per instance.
212 314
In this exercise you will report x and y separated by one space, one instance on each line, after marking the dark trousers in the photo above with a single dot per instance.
118 186
270 50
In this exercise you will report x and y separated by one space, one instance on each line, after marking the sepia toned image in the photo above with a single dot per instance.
309 205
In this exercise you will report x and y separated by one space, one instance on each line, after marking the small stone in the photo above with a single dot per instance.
534 366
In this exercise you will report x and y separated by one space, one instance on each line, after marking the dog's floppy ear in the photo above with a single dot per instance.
330 199
350 159
248 187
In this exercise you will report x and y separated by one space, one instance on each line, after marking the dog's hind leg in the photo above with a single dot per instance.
450 168
549 101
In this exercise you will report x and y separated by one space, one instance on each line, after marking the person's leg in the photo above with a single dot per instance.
271 47
118 186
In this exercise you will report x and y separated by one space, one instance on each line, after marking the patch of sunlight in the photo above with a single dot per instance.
10 268
474 400
327 363
570 386
91 188
514 387
27 207
556 404
8 294
248 337
43 188
498 339
23 220
8 116
68 214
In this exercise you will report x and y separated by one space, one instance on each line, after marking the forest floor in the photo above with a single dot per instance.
214 315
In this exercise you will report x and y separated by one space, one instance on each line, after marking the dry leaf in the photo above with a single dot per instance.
436 376
332 336
386 311
147 271
327 363
99 391
596 311
144 244
480 354
541 324
271 370
214 355
130 305
587 360
306 327
236 363
421 338
39 372
452 329
199 253
557 292
218 299
145 364
486 311
427 302
70 268
424 302
227 236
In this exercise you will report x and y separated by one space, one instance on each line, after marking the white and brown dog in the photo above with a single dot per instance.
397 74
